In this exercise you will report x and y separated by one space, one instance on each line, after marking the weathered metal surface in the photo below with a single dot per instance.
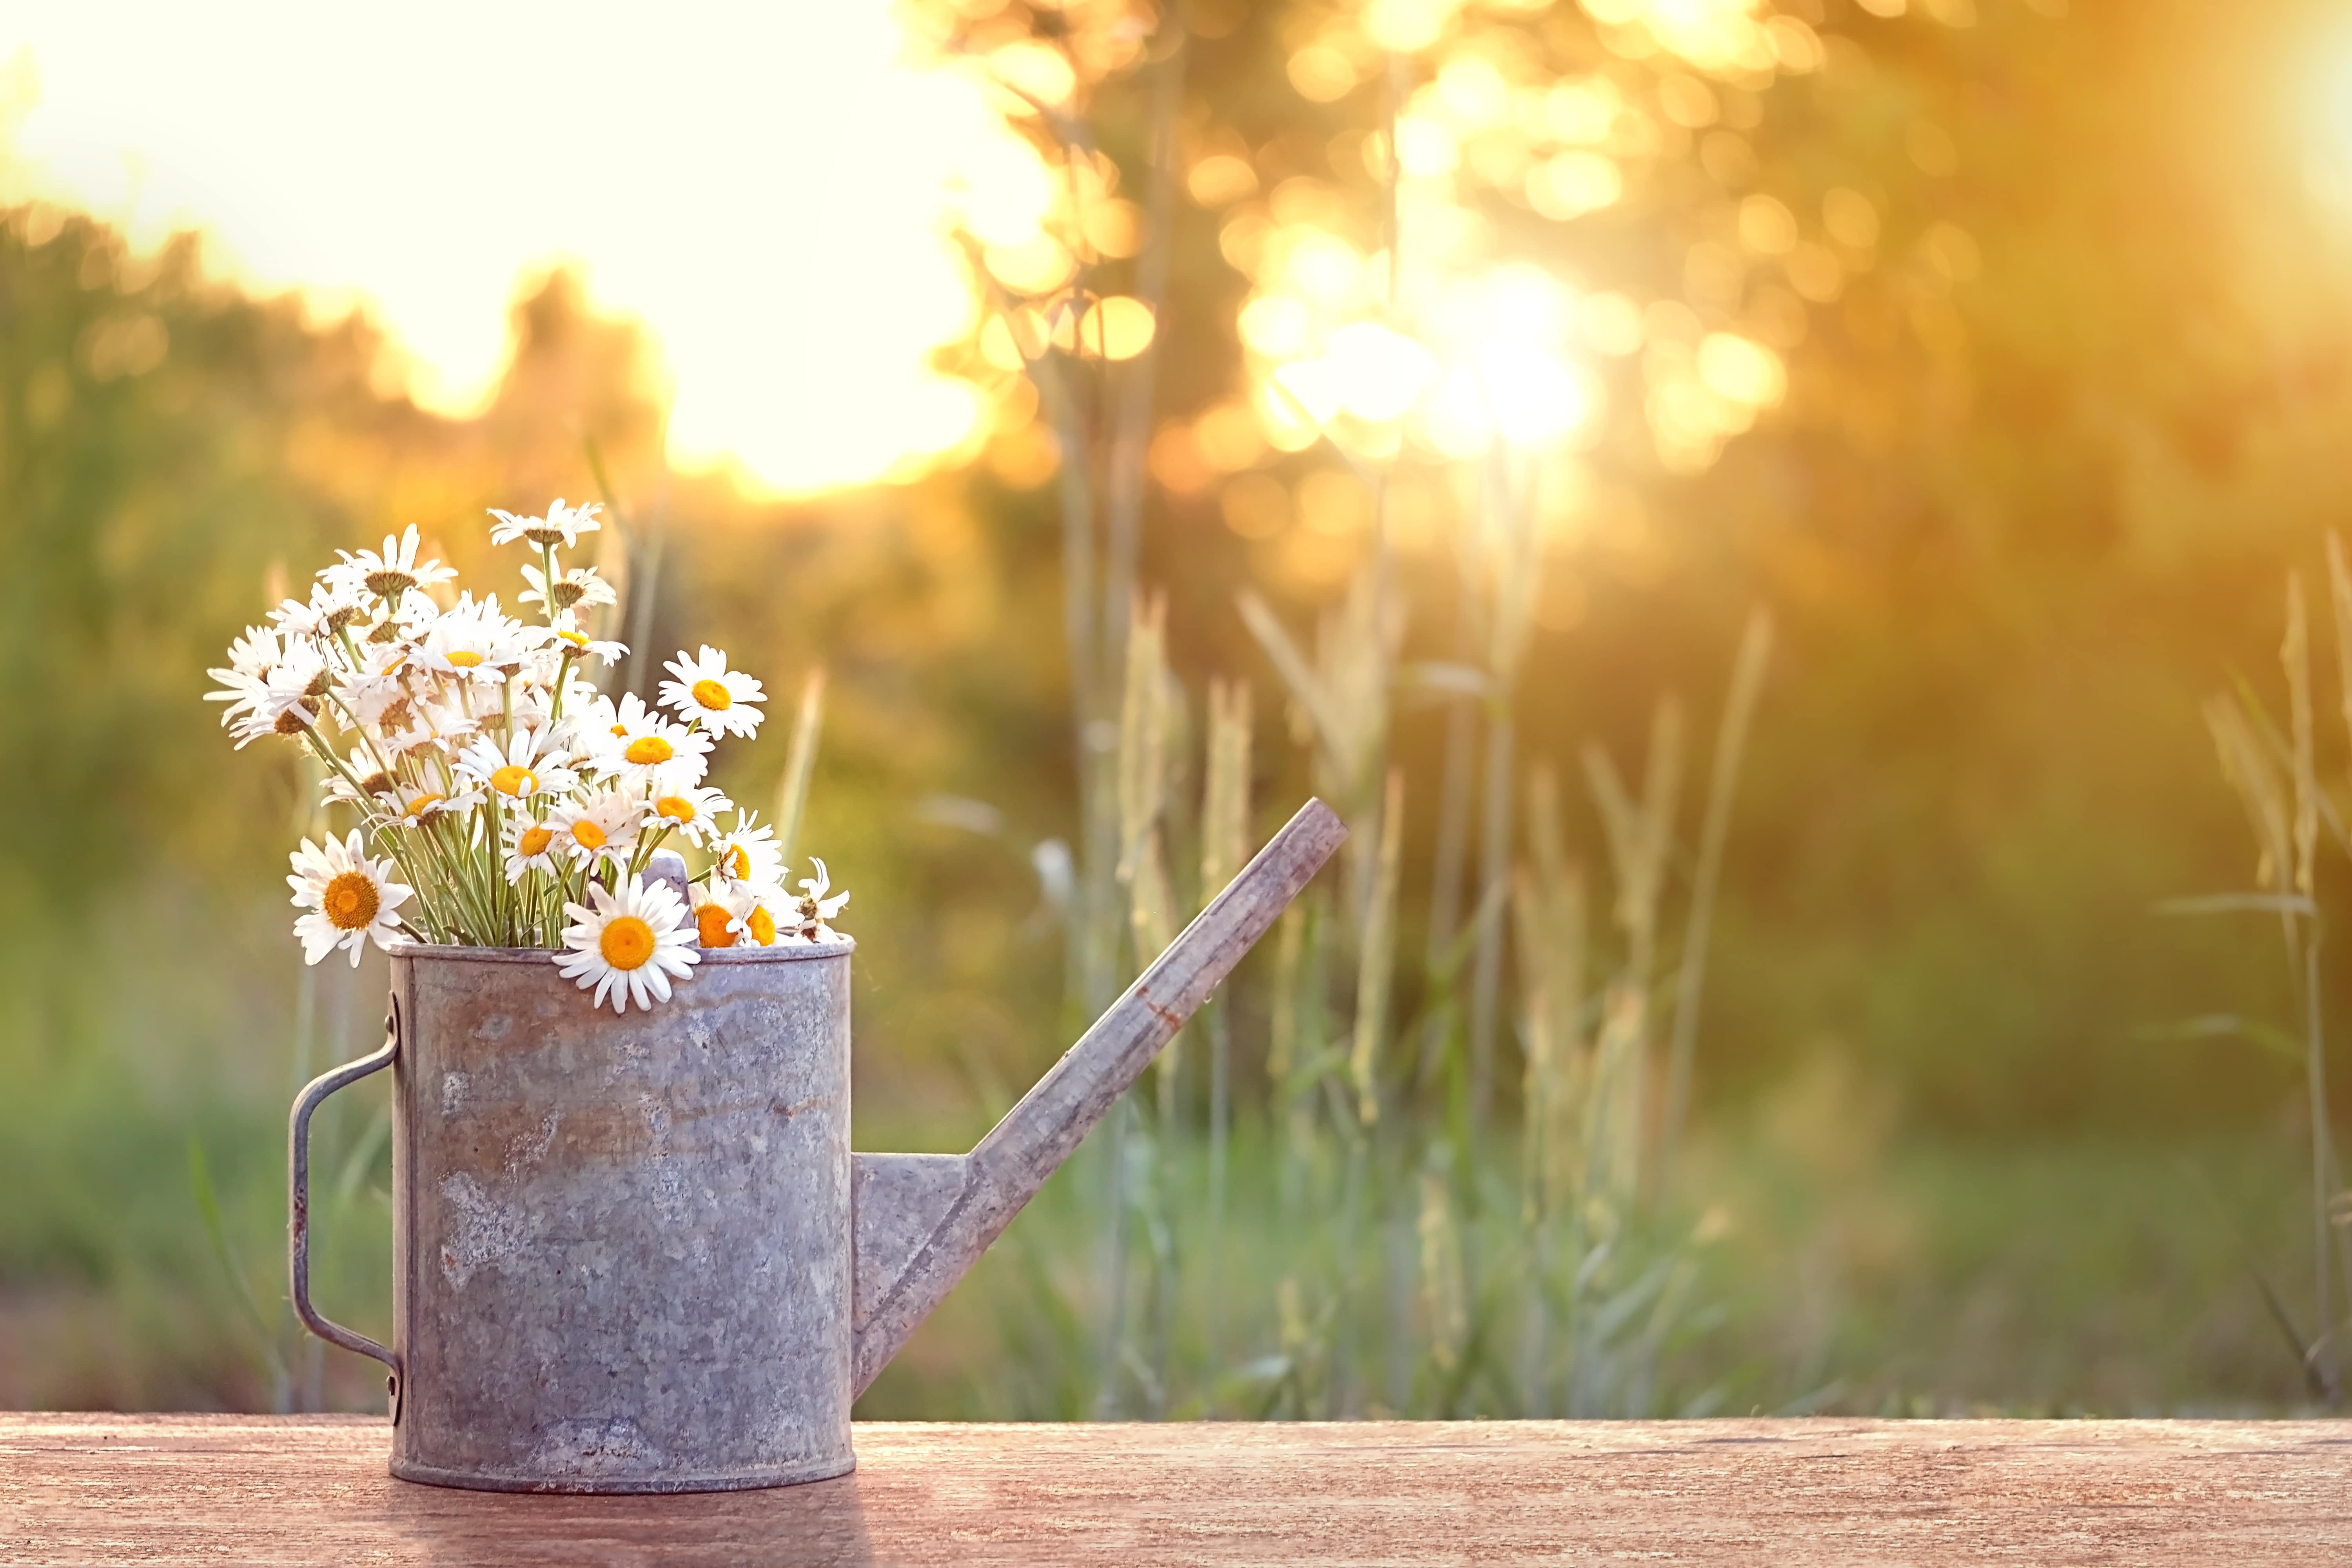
624 1263
669 866
632 1251
1819 1493
977 1195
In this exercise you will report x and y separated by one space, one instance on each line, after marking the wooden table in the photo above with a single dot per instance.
234 1488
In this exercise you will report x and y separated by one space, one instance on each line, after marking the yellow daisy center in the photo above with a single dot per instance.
739 864
647 750
515 780
423 803
577 640
534 841
464 658
626 942
713 695
711 921
763 926
587 834
620 728
677 807
350 901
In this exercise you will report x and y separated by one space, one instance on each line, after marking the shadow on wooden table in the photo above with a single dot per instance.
820 1522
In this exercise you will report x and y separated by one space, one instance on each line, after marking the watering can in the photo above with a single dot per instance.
634 1253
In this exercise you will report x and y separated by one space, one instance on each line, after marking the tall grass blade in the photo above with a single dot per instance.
1224 847
1730 747
1374 970
800 763
2339 594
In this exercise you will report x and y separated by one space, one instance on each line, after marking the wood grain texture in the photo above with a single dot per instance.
250 1489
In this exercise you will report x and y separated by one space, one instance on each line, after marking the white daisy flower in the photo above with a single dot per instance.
373 784
474 641
414 807
761 909
292 719
387 574
518 769
243 691
629 944
351 898
327 612
531 846
253 653
715 909
371 696
690 808
604 824
578 644
575 587
421 724
282 700
707 690
747 852
590 719
562 526
815 907
642 743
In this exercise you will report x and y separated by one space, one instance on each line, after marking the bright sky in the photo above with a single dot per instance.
759 182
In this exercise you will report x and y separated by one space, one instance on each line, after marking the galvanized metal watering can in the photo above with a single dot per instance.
634 1253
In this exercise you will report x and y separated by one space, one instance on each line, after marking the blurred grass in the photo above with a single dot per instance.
1938 1277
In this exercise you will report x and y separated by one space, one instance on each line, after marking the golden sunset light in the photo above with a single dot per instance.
761 185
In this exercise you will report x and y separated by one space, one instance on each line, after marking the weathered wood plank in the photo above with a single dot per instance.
201 1490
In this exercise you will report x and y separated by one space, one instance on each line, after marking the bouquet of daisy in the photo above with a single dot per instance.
500 799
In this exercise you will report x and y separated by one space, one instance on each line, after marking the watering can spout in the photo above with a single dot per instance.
921 1220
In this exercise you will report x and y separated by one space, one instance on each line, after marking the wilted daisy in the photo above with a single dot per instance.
692 809
530 847
815 907
747 852
561 528
390 574
351 899
628 943
521 768
604 824
707 690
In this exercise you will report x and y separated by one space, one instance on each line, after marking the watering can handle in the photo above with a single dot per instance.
297 1226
